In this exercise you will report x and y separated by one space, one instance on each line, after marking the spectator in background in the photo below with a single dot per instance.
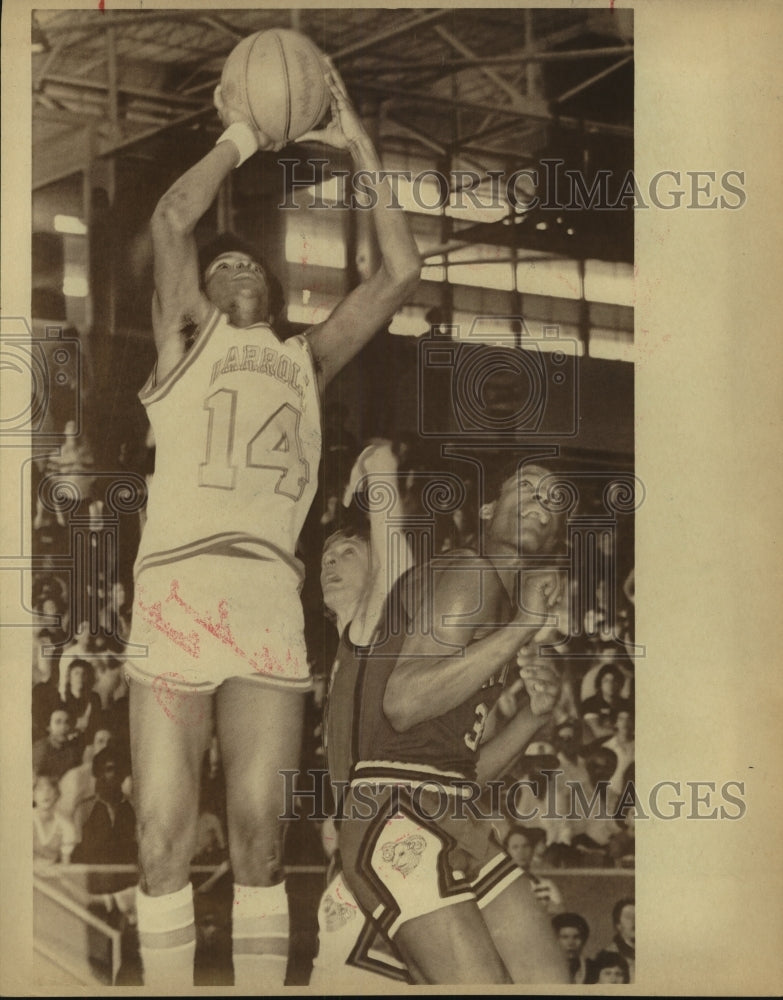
600 711
610 968
54 837
624 940
572 933
79 649
59 750
519 844
622 745
116 616
112 690
77 785
109 830
45 696
50 607
81 703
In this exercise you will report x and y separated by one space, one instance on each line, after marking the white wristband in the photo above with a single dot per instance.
243 137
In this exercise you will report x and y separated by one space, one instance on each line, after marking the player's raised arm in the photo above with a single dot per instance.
367 308
178 303
375 472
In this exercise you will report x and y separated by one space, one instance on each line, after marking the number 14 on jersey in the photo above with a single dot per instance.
274 445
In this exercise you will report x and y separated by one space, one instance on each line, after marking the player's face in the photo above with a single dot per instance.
613 975
344 571
570 940
238 286
523 519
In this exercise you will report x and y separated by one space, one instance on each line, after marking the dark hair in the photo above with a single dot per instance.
606 669
619 906
513 831
231 243
608 959
572 920
111 754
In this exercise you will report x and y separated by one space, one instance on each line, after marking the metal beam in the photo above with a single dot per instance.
169 97
420 136
502 84
107 19
593 79
113 94
417 97
63 156
513 58
386 34
220 25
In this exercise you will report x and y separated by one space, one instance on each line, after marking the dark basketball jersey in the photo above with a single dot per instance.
341 709
445 747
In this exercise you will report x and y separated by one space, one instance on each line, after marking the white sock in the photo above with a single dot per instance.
167 938
260 936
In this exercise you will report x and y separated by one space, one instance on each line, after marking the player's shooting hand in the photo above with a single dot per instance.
543 684
345 128
229 114
377 459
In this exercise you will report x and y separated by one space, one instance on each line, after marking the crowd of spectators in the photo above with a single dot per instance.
614 963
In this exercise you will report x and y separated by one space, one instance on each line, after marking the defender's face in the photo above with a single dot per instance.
522 519
236 283
345 567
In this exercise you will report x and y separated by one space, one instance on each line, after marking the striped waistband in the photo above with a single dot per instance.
227 544
382 773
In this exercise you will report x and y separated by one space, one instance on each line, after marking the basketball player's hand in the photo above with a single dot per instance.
507 702
229 115
345 129
542 592
377 459
542 683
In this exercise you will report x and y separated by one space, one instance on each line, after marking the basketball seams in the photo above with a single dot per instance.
278 83
243 78
284 61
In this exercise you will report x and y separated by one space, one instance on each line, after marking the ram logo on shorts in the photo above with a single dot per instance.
335 915
405 855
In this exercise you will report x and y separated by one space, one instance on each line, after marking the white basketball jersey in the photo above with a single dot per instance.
238 441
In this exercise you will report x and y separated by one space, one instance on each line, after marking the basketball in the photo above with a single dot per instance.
276 77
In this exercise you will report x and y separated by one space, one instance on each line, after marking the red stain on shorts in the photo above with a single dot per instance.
183 707
218 626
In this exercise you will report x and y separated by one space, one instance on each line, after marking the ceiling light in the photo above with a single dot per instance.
69 224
